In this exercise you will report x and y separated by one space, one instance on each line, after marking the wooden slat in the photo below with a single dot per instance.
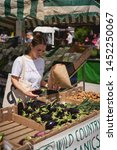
27 122
16 140
15 129
19 133
9 126
85 55
5 123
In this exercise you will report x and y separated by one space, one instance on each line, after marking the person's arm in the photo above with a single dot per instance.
17 84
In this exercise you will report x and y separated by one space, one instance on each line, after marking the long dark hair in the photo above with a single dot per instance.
37 39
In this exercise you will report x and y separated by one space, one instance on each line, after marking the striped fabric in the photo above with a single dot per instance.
54 12
57 12
71 11
22 8
12 10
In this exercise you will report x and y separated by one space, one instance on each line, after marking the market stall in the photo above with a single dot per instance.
77 128
76 133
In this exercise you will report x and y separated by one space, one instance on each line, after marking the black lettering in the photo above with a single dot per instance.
110 83
110 110
110 102
110 94
110 88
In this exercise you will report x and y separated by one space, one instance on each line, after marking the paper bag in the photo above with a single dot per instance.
59 77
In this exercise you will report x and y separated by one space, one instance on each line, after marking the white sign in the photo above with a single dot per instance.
83 136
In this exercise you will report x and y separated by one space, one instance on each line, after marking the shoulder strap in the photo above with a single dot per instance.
23 67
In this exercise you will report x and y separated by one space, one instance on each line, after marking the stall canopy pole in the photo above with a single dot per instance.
20 27
20 30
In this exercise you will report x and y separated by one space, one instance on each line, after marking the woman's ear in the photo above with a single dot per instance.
31 45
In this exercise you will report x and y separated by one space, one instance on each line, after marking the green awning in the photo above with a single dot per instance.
71 11
52 12
22 9
12 10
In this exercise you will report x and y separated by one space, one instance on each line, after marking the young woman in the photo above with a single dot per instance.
34 67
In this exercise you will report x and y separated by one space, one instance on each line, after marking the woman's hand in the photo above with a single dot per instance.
55 87
30 94
27 92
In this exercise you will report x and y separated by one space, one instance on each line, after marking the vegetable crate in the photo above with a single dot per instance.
16 127
76 95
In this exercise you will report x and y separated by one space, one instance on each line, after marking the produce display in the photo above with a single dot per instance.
76 96
56 113
53 117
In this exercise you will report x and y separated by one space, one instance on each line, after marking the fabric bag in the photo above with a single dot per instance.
12 94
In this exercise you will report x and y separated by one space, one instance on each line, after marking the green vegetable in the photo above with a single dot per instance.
1 137
57 114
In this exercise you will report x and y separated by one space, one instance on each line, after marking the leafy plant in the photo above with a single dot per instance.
81 33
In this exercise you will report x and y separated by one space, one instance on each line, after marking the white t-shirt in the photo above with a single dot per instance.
33 70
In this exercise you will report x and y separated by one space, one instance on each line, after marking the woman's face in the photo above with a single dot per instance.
38 50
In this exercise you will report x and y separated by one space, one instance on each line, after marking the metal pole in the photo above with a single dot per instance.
20 31
83 75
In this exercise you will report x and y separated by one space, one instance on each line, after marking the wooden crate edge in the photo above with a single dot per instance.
6 113
27 122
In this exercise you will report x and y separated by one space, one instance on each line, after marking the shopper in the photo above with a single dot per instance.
29 37
69 38
97 44
34 67
95 38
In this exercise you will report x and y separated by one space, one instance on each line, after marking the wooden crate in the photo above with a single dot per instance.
76 95
16 127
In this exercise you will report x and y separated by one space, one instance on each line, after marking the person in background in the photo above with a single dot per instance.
3 37
29 37
69 38
97 44
34 67
95 37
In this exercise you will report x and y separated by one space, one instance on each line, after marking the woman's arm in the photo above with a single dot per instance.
17 84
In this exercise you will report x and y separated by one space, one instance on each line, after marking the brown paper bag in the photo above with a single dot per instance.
59 77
